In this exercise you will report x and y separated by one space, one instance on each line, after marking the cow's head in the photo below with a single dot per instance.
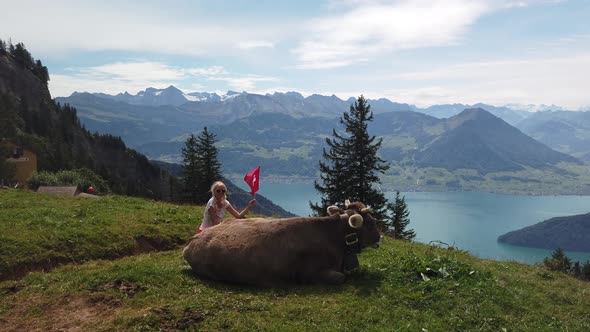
360 219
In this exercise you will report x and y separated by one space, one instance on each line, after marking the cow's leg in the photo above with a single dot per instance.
332 277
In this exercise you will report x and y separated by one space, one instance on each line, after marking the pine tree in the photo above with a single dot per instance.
22 56
585 273
558 261
191 169
209 165
351 167
3 47
6 169
41 71
399 219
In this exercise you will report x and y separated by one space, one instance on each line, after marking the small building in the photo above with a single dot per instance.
24 160
60 190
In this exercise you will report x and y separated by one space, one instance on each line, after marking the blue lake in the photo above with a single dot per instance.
470 221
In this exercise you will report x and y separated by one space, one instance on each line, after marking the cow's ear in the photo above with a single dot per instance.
366 210
333 209
355 221
346 203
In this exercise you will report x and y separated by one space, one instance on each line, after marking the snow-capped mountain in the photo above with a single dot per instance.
153 97
534 108
170 96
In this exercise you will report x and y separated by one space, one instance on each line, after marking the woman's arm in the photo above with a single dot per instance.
240 215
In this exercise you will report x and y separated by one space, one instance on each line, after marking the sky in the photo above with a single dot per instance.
409 51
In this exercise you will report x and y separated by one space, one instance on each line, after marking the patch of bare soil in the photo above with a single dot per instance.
166 320
124 286
68 314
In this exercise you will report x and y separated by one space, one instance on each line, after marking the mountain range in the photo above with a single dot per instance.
30 118
443 147
565 131
292 103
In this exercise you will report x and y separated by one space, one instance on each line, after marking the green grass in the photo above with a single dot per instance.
41 230
401 286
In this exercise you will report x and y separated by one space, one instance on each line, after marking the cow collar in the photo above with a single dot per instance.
352 242
352 246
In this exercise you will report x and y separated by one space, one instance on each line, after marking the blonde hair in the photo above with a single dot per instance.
216 184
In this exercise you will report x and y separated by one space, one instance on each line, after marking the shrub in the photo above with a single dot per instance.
558 261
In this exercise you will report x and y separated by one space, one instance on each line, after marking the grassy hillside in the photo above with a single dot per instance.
400 286
39 231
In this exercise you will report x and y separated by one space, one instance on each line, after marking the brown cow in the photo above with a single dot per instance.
266 252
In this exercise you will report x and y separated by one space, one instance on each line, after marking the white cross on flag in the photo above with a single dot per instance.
253 179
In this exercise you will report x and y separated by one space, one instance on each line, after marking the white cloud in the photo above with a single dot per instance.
132 71
255 44
209 71
244 83
58 27
115 78
379 27
561 81
136 76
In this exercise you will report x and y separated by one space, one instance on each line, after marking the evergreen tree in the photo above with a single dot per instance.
209 165
3 47
576 271
10 121
6 169
41 71
351 167
558 261
585 273
191 169
399 219
22 56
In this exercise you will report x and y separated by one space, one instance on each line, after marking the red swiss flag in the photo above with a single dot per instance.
253 179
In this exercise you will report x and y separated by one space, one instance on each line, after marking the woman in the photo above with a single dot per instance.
218 205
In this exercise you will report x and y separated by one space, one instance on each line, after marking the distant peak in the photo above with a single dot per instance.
476 113
294 94
172 87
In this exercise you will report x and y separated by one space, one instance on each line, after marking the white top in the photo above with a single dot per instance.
207 222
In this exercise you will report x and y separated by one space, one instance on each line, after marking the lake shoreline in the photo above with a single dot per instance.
471 221
275 179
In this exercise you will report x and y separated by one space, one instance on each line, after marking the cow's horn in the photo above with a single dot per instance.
355 221
333 209
366 210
